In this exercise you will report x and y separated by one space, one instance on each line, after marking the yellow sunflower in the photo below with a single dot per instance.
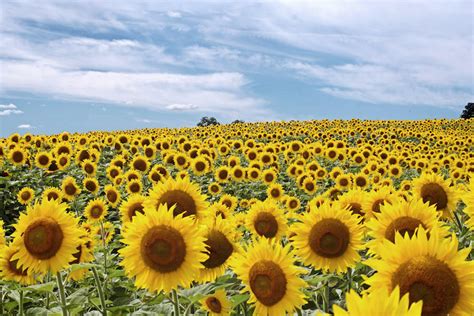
433 189
267 219
180 192
132 206
47 237
26 195
216 304
431 269
96 210
275 191
375 199
378 302
2 235
52 194
112 195
83 254
402 217
268 273
353 200
70 188
163 251
18 156
328 238
220 248
9 269
91 185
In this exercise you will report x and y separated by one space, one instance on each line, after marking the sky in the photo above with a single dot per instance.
82 65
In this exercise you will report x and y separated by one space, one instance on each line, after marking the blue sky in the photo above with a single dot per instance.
110 65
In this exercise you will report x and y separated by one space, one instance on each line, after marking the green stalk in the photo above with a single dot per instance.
458 222
100 290
175 303
62 294
20 307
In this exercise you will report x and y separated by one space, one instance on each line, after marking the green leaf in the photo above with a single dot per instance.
239 299
44 287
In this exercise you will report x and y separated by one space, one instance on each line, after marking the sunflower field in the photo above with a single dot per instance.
280 218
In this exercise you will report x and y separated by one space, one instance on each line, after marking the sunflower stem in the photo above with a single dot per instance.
20 306
104 247
48 278
175 303
100 291
62 294
458 222
299 312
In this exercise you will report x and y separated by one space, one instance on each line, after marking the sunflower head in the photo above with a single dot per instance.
266 219
10 270
96 210
216 304
26 195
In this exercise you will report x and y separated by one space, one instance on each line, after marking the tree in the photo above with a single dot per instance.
237 122
468 111
208 121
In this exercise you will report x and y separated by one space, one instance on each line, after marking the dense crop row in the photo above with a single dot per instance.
369 217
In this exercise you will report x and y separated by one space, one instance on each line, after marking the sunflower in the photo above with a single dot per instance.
429 268
112 195
222 174
402 217
374 200
353 200
229 201
134 186
216 304
220 247
268 273
266 219
275 191
214 188
96 210
293 203
433 189
180 192
89 167
218 210
26 195
140 163
360 181
343 181
91 185
18 156
328 238
70 188
43 159
132 206
269 176
2 235
9 269
200 166
378 302
162 250
52 194
83 254
47 237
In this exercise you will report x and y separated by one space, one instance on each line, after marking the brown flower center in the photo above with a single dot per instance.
344 182
70 189
91 186
361 182
25 195
43 238
163 249
17 156
77 255
329 238
219 249
96 211
213 304
356 208
112 196
52 196
13 266
376 205
428 279
434 194
266 224
275 193
43 160
183 201
267 282
402 225
134 187
200 166
140 165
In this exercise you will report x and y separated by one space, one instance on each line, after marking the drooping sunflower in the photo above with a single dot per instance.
162 250
180 192
432 188
132 206
430 268
26 195
96 210
378 302
9 269
375 199
266 219
328 238
70 188
216 304
220 247
47 237
402 217
268 273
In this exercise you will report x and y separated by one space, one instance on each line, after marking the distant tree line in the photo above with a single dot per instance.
209 121
468 111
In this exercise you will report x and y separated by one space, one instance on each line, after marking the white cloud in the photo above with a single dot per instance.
8 109
214 92
25 126
181 107
173 14
143 120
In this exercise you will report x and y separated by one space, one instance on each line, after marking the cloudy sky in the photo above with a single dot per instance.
109 65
